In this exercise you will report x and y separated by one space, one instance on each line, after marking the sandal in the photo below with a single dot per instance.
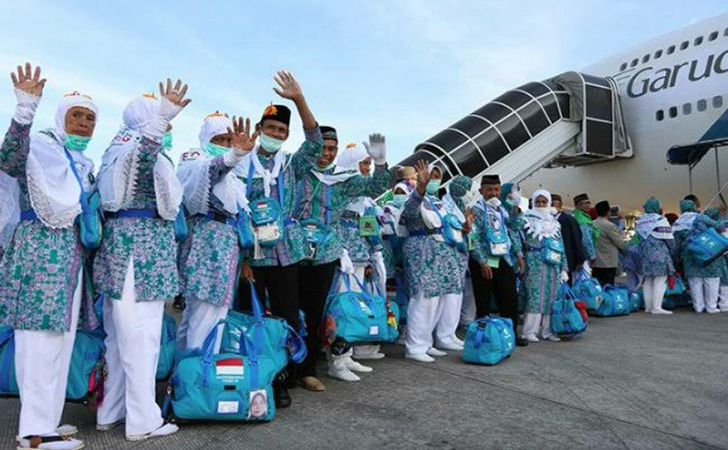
54 442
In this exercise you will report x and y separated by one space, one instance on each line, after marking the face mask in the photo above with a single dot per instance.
76 142
494 202
318 168
269 144
167 141
554 211
515 197
433 186
543 211
215 150
399 200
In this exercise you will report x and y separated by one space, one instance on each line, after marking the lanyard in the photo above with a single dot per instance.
73 169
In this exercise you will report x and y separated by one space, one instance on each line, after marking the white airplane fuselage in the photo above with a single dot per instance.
674 79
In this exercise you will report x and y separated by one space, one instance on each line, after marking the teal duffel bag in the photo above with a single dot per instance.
279 341
167 348
616 302
637 300
489 341
566 319
84 375
358 317
588 290
393 313
707 246
222 386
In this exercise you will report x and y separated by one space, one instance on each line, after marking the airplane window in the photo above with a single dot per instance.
658 54
687 108
684 45
717 101
713 36
671 50
698 40
702 105
633 63
660 115
673 112
645 58
725 32
622 67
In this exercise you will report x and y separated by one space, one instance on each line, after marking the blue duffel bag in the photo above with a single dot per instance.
279 341
85 371
707 246
358 316
616 302
393 312
588 290
566 318
167 348
223 386
489 341
637 300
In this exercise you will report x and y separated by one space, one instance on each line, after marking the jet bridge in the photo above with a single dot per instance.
571 119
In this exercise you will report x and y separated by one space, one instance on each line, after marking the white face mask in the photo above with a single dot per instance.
543 211
494 202
554 211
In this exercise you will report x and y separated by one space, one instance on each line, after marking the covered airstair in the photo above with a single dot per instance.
571 119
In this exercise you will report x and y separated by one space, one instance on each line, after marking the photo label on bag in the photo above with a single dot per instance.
374 330
258 404
228 407
230 366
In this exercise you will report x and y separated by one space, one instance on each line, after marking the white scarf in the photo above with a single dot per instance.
539 224
685 221
360 204
119 166
653 225
447 205
270 177
9 207
194 173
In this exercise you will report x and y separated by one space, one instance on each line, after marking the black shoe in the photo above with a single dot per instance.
282 397
521 342
179 303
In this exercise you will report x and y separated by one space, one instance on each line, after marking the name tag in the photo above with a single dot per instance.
494 262
374 330
228 407
268 232
498 249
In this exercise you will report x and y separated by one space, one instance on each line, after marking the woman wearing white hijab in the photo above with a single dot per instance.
9 209
208 258
40 291
433 267
136 266
546 267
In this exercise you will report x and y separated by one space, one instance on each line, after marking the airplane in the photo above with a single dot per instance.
606 130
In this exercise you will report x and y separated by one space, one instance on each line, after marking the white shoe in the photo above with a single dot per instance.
63 431
432 351
450 346
419 357
713 311
165 430
662 311
531 338
343 374
109 426
60 444
357 367
458 341
553 338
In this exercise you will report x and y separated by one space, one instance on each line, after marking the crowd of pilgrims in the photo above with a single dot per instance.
323 189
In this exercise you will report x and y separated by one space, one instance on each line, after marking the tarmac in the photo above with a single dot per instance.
635 382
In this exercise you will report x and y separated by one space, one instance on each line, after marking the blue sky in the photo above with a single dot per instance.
403 68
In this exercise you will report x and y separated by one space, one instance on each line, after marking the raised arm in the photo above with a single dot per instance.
28 87
375 185
243 143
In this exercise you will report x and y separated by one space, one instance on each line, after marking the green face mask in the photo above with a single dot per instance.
77 143
399 200
269 144
215 150
167 141
433 186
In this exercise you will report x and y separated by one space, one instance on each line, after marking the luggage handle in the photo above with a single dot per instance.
480 334
251 351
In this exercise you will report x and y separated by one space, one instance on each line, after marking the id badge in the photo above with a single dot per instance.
494 262
268 232
498 249
367 226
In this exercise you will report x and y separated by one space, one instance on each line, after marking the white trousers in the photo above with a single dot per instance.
536 325
723 299
133 333
447 323
654 292
198 319
468 310
42 361
422 317
704 292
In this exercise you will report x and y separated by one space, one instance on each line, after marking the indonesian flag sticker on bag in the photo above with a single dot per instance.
230 366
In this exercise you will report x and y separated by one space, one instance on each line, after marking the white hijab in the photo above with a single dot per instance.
193 172
685 221
541 223
347 165
270 177
9 207
119 165
52 187
654 225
